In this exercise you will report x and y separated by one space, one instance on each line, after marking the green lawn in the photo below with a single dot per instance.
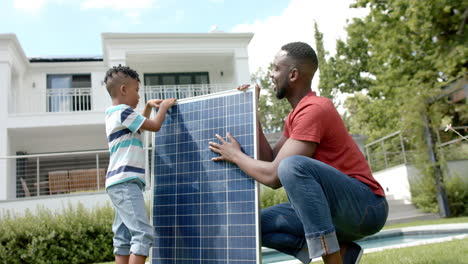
452 252
441 221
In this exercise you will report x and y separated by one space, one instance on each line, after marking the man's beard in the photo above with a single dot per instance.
281 91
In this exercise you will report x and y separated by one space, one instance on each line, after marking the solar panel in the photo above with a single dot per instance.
205 212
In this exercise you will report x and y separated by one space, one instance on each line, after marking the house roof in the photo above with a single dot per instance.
65 59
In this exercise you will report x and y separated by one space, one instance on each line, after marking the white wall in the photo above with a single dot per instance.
100 98
59 139
57 203
186 63
5 82
394 181
458 168
32 91
241 66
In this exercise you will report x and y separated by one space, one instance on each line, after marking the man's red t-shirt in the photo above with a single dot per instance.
316 119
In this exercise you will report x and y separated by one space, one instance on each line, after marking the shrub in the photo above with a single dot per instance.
457 195
271 197
424 195
77 235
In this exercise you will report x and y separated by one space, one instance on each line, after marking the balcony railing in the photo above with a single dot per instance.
68 99
97 99
181 91
62 173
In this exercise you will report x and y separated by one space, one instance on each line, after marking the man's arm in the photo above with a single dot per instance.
262 171
265 152
156 123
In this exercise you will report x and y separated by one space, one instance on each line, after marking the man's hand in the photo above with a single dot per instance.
246 86
228 151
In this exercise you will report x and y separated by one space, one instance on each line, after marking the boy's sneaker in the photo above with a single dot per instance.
352 253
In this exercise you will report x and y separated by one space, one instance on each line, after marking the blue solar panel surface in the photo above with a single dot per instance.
203 211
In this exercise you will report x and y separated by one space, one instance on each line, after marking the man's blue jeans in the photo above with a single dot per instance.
325 207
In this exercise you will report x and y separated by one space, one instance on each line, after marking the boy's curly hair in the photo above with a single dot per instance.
116 75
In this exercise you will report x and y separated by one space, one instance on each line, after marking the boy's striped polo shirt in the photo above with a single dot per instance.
127 156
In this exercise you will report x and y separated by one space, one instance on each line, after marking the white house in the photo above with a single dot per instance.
52 106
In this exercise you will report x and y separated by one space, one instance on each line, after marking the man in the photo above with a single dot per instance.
333 198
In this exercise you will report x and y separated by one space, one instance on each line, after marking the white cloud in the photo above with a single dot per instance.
118 4
32 6
296 23
28 4
131 10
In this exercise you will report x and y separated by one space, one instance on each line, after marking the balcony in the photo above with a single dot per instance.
181 91
68 100
96 99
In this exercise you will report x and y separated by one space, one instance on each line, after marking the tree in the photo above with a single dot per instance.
327 82
398 58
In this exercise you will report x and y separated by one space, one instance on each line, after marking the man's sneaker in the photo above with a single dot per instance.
352 253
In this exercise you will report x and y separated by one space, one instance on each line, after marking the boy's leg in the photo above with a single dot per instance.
121 259
330 204
132 259
135 218
137 259
122 237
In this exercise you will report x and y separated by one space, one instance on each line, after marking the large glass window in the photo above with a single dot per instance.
176 78
68 92
178 84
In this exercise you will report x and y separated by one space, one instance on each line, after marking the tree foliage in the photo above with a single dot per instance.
395 60
400 55
326 83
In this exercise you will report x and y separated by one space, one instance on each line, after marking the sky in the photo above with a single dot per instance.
72 28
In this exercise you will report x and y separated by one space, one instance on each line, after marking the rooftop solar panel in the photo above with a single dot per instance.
203 211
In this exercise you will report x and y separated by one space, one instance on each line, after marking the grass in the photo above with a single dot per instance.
453 252
440 221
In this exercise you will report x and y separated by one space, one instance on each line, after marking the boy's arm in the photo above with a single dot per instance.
149 106
156 123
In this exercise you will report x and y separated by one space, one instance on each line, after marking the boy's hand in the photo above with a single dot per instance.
154 102
167 103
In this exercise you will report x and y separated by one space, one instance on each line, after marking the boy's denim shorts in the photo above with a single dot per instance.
133 233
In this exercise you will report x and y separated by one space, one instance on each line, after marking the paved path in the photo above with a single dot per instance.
401 212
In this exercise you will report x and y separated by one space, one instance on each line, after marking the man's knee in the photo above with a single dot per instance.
290 167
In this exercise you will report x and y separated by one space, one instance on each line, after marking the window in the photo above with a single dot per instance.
68 92
176 78
178 84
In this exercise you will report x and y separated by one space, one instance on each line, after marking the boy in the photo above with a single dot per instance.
125 179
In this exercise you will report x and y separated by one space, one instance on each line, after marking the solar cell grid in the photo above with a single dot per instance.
205 211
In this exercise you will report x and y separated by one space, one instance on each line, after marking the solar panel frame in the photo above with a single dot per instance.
253 231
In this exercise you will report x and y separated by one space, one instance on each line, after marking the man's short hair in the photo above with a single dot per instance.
302 53
117 76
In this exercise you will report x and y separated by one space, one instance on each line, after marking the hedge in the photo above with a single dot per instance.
77 235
